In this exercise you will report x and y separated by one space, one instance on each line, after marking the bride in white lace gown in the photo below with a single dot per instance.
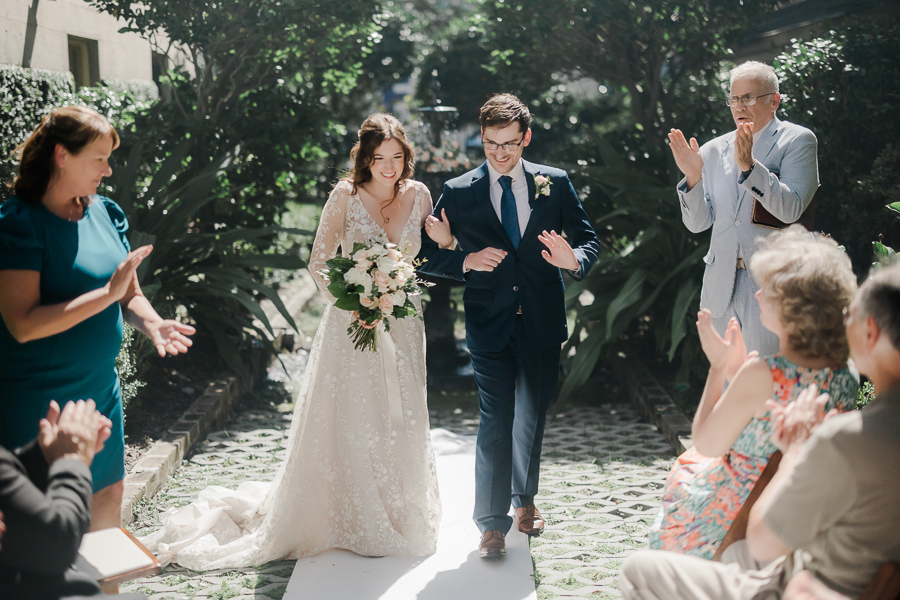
359 472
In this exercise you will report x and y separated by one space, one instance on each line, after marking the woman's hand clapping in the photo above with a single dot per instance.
123 278
729 353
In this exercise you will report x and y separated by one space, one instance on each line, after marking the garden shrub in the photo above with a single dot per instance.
26 95
845 86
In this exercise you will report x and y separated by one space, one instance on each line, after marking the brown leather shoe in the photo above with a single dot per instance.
493 544
529 520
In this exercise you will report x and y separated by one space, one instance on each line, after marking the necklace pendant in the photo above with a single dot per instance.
387 220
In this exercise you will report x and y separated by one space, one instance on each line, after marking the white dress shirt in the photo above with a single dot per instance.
519 190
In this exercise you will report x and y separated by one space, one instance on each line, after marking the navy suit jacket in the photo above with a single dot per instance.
523 278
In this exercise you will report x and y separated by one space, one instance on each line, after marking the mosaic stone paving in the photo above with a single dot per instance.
602 472
603 469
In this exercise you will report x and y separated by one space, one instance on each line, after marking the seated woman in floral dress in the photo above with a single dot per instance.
805 281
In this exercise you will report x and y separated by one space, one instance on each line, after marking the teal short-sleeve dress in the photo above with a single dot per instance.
73 258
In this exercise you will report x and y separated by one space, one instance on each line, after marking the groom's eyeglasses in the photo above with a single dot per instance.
505 147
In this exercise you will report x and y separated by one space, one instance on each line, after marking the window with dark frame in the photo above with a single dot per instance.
84 61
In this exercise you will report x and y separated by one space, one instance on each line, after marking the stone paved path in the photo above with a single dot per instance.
602 472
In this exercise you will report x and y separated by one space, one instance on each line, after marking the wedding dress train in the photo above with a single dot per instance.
359 472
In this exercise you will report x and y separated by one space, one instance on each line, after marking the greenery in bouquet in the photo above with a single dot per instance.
374 283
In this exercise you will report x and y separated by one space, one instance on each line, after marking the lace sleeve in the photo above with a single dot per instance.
329 234
427 203
427 209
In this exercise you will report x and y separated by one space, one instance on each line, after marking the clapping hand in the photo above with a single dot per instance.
687 156
170 336
559 253
728 353
793 423
439 229
77 431
743 146
123 277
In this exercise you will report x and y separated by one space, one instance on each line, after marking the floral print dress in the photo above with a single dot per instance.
703 495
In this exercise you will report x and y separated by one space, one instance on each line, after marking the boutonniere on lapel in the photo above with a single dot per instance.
542 185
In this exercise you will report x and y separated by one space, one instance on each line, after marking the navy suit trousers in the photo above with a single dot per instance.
516 386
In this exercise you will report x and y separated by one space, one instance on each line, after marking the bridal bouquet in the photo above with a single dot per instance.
374 283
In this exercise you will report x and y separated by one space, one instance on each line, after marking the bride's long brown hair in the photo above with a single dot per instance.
376 130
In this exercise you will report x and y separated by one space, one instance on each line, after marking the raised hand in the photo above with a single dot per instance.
793 423
439 229
123 276
738 355
560 253
485 260
78 431
170 336
687 156
714 347
728 353
743 146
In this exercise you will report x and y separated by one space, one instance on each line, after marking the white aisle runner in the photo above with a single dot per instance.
455 572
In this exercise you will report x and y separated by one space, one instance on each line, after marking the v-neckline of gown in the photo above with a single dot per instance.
383 230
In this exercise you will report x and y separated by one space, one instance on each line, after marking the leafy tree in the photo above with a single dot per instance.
648 49
205 176
845 86
262 78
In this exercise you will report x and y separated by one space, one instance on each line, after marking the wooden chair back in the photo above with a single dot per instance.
885 584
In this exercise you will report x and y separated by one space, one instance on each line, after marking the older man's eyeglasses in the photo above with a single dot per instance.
746 99
488 145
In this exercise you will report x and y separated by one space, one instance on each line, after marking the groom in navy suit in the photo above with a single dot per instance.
507 217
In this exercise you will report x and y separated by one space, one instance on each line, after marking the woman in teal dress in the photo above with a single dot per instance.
67 278
805 281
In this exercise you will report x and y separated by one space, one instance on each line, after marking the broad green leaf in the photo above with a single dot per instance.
628 295
683 302
586 357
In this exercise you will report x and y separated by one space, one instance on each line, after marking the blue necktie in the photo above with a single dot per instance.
509 216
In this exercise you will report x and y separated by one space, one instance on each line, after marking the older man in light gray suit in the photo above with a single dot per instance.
766 159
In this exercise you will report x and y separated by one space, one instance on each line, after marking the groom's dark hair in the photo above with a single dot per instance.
502 109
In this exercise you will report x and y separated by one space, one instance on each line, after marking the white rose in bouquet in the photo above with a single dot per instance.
357 276
398 298
386 264
405 271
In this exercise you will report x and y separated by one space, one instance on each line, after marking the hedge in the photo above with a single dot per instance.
27 95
